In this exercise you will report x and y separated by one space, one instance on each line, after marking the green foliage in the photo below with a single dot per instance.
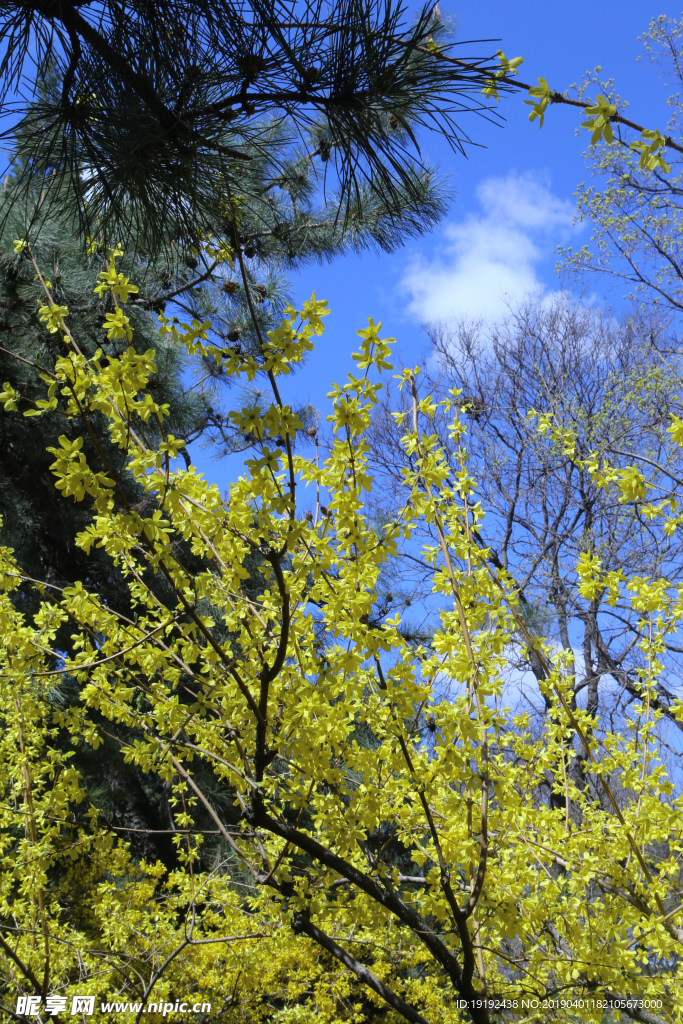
276 223
600 121
541 92
602 114
507 68
348 844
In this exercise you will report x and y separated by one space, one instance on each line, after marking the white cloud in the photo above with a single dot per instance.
490 260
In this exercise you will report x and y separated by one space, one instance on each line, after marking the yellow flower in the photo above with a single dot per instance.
117 326
53 317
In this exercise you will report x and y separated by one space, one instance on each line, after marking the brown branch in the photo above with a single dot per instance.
555 96
158 300
26 971
302 923
384 897
268 674
271 376
224 832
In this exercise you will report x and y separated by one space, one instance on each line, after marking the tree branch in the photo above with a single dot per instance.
302 923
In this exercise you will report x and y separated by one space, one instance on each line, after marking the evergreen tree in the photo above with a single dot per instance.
161 116
37 520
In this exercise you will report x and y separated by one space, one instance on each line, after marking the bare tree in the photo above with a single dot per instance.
614 383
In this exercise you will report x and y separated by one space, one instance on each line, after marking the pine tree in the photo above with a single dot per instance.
163 115
37 521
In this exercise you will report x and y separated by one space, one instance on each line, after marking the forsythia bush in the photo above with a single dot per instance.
374 867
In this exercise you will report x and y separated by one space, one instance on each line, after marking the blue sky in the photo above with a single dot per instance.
513 196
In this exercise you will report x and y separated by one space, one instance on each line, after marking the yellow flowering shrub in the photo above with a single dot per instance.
373 864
